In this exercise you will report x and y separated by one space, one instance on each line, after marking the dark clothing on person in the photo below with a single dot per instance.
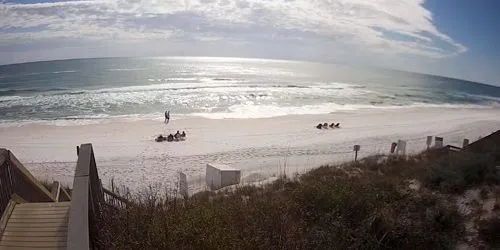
170 137
167 116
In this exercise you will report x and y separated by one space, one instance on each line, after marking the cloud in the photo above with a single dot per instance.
386 27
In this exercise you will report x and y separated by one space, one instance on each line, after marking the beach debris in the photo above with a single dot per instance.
220 175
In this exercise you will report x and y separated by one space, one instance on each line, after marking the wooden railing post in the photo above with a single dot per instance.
78 226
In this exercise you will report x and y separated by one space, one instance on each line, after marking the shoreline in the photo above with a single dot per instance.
261 147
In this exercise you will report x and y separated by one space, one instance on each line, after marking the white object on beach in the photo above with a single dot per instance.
429 141
183 185
438 142
219 175
401 147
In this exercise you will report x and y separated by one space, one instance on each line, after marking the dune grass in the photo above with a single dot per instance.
364 205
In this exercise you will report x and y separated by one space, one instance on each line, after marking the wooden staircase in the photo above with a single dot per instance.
36 226
35 218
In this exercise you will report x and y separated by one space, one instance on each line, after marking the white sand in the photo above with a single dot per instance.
126 151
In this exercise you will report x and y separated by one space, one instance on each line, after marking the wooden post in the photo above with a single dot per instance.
466 143
356 149
438 142
393 147
77 150
429 142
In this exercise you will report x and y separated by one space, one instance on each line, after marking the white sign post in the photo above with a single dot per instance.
401 149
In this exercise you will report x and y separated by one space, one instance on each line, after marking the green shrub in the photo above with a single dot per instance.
456 173
322 209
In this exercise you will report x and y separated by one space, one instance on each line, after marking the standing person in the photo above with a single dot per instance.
167 116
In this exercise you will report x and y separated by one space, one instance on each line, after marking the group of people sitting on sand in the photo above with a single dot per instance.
325 125
177 137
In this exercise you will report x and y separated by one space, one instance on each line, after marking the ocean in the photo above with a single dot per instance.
99 89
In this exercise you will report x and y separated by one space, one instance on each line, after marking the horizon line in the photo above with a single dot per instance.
256 58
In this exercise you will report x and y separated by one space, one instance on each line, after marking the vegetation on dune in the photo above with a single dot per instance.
364 205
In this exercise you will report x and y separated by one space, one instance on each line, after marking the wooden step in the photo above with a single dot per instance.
37 226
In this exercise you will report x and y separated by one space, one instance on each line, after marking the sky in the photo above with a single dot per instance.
454 38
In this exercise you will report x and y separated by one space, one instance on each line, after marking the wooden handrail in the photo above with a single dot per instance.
114 199
16 180
87 198
63 195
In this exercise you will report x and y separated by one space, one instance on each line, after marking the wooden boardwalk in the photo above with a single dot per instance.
36 226
39 217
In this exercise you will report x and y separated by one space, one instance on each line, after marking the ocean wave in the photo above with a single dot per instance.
63 71
248 111
175 79
126 69
11 98
7 92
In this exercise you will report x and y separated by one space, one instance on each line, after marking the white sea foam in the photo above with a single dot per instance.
250 110
126 69
63 71
11 98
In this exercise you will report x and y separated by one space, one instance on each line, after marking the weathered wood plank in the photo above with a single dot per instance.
39 220
43 204
37 234
6 215
37 229
64 196
33 243
34 238
16 198
78 226
39 216
39 213
54 210
46 224
55 190
45 195
30 248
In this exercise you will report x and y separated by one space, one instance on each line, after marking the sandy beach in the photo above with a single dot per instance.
125 150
